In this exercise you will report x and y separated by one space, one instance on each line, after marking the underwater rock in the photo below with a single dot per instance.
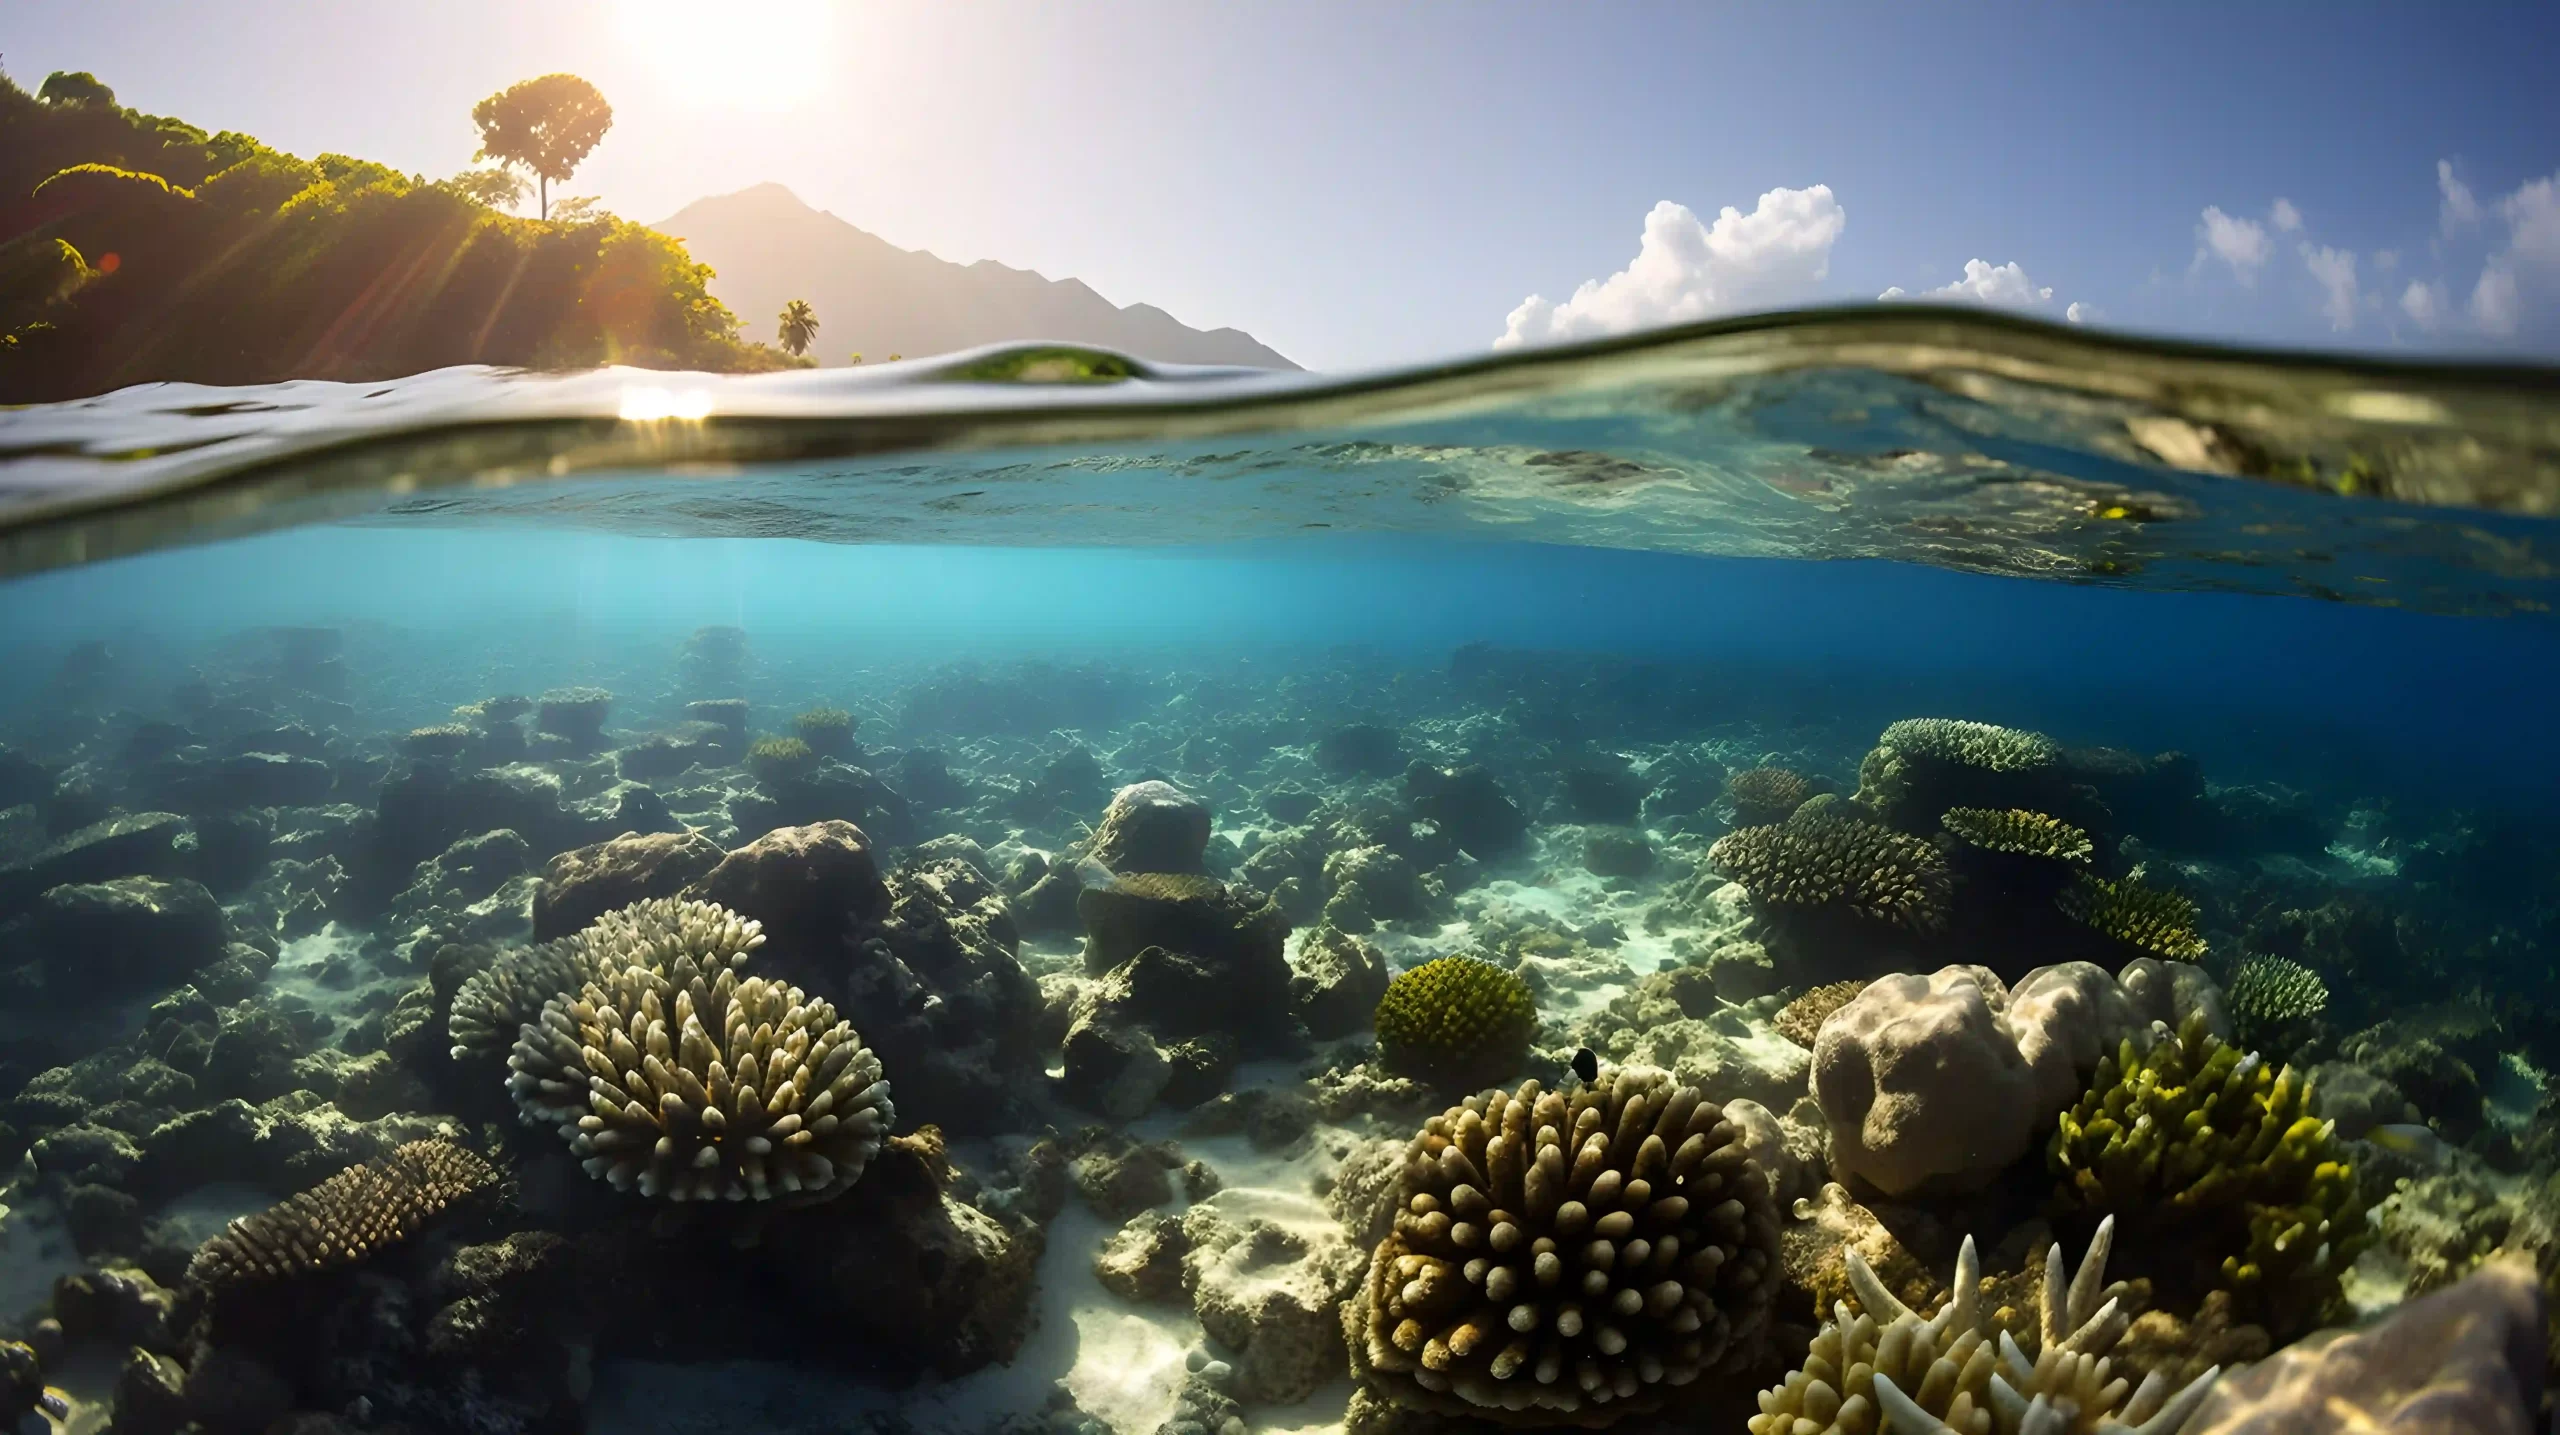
660 756
1112 1069
1119 1177
2468 1359
1291 804
1337 983
116 1306
1360 749
292 898
1370 885
1235 929
140 844
22 778
150 1395
1469 807
1142 1261
921 774
832 792
1921 1086
289 1143
423 811
1675 1020
442 893
1152 827
1607 795
575 715
1267 1275
105 941
238 779
807 885
584 883
2357 1099
934 982
1616 852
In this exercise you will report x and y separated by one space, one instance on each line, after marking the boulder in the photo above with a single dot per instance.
935 984
106 941
1142 1261
1268 1273
1469 807
1230 945
1113 1069
240 779
1337 985
807 885
1152 827
137 844
584 883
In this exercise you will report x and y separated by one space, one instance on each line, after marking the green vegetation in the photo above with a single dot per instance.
799 328
547 125
141 248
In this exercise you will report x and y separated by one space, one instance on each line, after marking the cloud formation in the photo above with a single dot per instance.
2002 285
2424 304
2240 243
2083 313
1685 270
2284 216
2335 269
2459 208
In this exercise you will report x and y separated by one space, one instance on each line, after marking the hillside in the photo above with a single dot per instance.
766 248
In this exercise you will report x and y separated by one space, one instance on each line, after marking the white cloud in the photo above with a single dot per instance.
2284 216
2459 207
2082 312
2533 221
2002 285
2385 260
2424 304
2336 271
1684 269
2495 304
2240 243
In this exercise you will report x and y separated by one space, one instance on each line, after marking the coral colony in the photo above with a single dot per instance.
1526 1083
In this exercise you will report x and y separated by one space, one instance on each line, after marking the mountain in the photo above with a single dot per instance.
768 248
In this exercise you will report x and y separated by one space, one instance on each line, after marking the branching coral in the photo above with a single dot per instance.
1572 1259
2211 1158
1828 861
1971 744
682 1081
346 1218
2017 832
2131 911
1957 1373
490 1007
1801 1020
1456 1019
2270 994
1766 794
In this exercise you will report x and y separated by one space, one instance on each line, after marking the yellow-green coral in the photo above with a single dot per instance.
2270 995
1800 1021
346 1218
1827 861
1958 1371
1971 744
2210 1157
2156 920
779 759
1766 794
2018 832
1456 1019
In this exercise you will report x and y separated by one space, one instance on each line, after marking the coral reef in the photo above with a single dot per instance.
1571 1260
2271 996
827 731
2213 1164
780 759
345 1218
784 1102
1763 795
2017 832
1883 1366
1826 861
491 1005
1801 1019
2141 916
1455 1020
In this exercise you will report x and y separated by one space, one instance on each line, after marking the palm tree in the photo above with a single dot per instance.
799 327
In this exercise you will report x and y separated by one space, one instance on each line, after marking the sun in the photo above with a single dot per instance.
750 54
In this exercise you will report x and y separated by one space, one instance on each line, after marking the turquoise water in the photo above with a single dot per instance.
1607 582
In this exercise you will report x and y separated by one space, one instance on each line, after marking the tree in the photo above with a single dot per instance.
75 87
799 327
496 188
545 126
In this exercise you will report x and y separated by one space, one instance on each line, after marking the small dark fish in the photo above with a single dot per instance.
1586 1065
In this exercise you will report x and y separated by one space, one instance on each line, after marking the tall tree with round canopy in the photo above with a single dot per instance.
546 125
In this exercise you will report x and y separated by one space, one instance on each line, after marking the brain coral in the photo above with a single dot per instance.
1958 1373
682 1081
2018 832
1456 1019
2157 921
346 1218
1568 1260
490 1007
1845 862
2211 1159
1766 794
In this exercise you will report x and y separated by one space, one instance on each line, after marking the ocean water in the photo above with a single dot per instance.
1532 663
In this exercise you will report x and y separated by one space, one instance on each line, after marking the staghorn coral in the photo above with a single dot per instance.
491 1004
2212 1159
679 1080
1766 794
2270 994
346 1218
1826 861
2153 919
1801 1020
2017 832
1457 1020
1571 1259
490 1007
1971 744
1958 1373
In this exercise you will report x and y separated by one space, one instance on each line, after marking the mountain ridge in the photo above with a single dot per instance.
767 246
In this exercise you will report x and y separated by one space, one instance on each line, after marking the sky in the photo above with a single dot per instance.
1362 185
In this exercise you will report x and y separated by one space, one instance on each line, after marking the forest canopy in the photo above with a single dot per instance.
137 247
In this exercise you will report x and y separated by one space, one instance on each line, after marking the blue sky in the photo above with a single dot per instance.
1360 184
